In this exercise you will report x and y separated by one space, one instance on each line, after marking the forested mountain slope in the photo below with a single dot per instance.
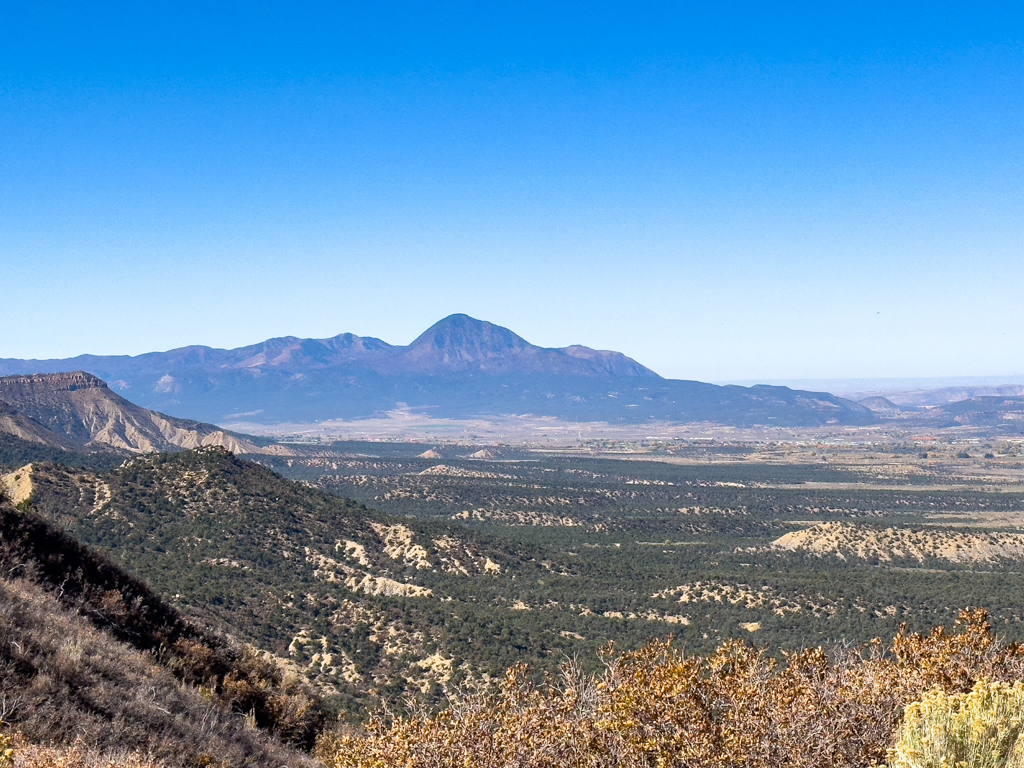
355 599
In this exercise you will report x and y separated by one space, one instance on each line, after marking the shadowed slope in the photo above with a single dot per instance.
91 652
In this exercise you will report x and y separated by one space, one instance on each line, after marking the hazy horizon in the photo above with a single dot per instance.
841 386
862 386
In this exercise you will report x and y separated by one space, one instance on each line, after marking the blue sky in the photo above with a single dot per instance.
724 191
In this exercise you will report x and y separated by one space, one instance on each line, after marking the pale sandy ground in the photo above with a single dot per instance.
868 452
406 425
409 425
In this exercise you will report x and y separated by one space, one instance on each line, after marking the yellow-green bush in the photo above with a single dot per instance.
980 729
6 750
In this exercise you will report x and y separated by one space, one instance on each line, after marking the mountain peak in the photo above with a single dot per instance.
463 328
460 341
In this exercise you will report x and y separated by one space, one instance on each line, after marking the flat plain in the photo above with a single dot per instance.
801 540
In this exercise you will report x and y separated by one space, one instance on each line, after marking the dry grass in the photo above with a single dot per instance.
126 609
74 694
65 682
75 756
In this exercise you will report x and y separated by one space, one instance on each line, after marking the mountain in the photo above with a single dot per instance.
76 410
456 344
459 343
947 395
458 368
881 405
1006 413
999 413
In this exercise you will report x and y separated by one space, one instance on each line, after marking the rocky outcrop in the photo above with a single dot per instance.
78 410
852 542
17 485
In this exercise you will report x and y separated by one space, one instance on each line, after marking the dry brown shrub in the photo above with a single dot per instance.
654 707
980 729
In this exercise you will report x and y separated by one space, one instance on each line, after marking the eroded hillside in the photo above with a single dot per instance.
76 411
475 564
873 544
337 590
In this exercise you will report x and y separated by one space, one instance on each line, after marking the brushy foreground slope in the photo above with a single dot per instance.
89 654
657 706
66 682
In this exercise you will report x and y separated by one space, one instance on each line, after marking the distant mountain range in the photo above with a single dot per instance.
458 368
917 398
77 411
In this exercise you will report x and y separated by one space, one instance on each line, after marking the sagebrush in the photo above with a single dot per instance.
980 729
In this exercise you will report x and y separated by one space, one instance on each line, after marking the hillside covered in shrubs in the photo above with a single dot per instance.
98 668
92 663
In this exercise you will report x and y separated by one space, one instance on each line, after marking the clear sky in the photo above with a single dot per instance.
721 190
